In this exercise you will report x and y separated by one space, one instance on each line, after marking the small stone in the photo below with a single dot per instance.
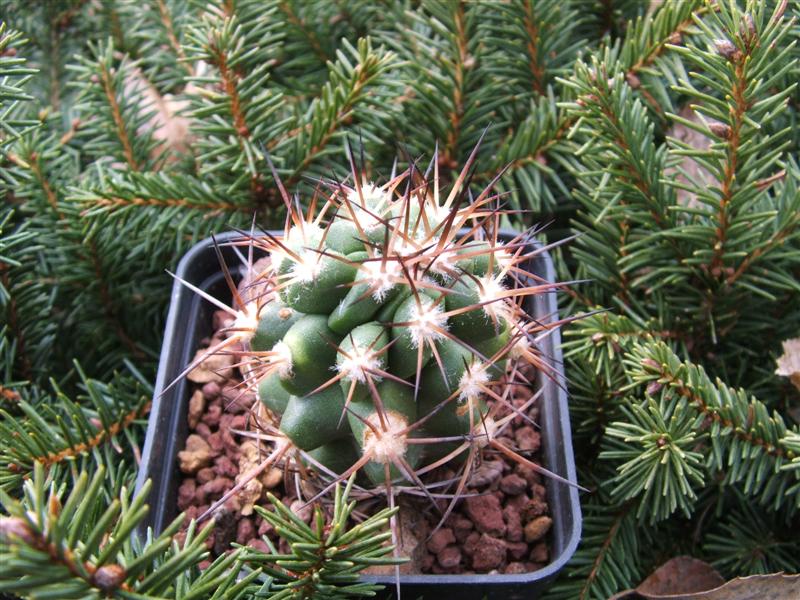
461 528
449 557
489 472
528 474
212 416
517 550
217 367
225 467
217 487
471 543
537 529
528 439
540 553
197 404
186 493
515 568
440 540
239 422
259 545
196 455
211 390
427 562
513 485
236 400
486 514
215 442
203 430
205 475
513 523
245 531
302 510
489 554
265 527
271 478
536 507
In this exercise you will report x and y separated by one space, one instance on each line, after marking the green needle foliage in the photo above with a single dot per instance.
664 133
327 556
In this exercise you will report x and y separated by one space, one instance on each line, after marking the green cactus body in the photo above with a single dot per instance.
314 420
309 348
275 319
382 333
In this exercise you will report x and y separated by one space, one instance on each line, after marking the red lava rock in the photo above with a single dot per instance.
513 523
515 568
449 557
489 472
486 514
205 475
265 527
517 550
236 400
518 502
513 485
528 439
186 493
239 422
215 442
245 531
211 390
437 569
229 443
212 416
191 513
303 512
538 528
439 540
461 528
536 507
225 467
259 545
489 554
427 562
471 543
203 564
203 430
218 486
528 474
540 553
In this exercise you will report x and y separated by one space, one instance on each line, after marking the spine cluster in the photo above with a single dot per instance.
386 324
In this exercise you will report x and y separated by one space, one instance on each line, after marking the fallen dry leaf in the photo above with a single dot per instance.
789 362
687 578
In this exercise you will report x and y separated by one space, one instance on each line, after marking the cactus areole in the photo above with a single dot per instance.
387 326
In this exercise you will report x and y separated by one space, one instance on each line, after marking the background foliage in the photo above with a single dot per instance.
665 133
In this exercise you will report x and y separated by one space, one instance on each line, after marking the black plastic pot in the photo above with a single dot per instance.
189 321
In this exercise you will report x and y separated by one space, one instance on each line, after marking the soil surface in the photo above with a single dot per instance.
501 525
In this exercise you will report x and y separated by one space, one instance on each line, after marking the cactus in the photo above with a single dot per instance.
384 331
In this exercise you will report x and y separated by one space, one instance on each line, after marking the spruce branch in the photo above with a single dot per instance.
745 440
58 429
79 545
327 556
661 464
14 76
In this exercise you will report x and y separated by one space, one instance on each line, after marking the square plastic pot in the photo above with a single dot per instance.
189 321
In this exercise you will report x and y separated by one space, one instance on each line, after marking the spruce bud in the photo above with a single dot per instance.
109 578
725 48
720 130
